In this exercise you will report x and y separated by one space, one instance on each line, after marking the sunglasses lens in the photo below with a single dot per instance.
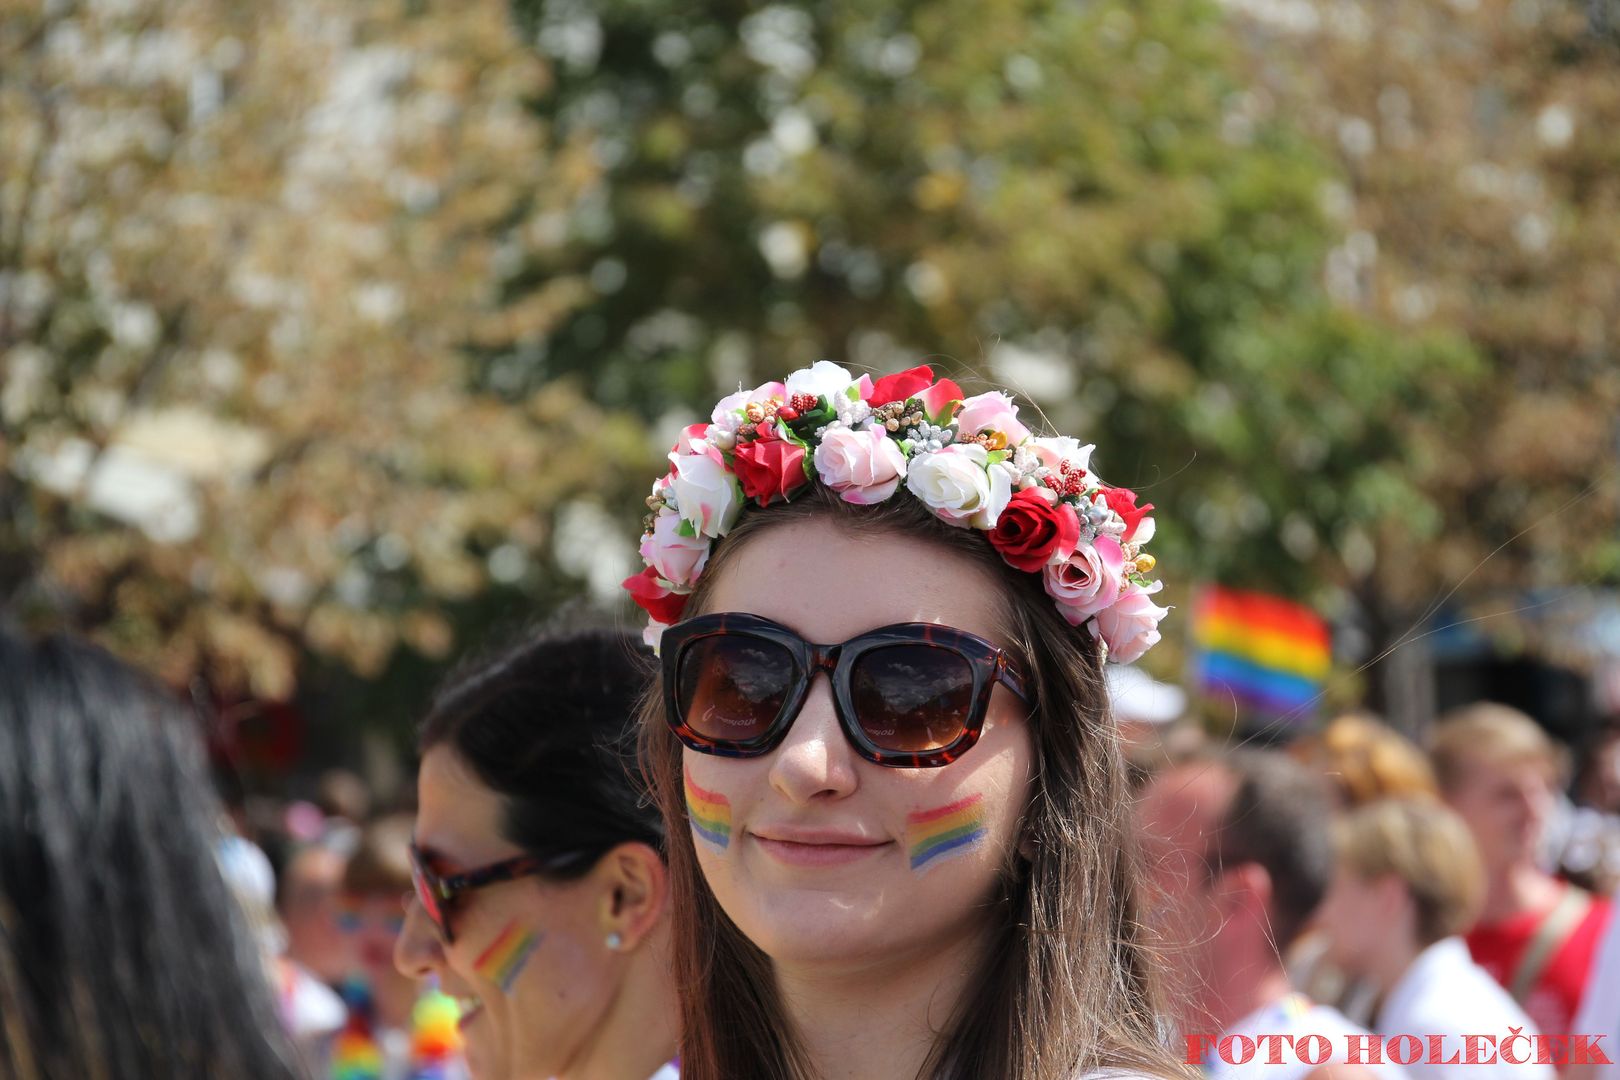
731 686
425 895
912 698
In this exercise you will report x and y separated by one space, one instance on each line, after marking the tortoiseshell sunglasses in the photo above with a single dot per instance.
909 696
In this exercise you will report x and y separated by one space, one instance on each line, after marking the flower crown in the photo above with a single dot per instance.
971 462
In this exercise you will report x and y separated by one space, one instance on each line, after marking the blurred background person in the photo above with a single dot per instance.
1239 855
1361 759
398 1028
541 889
307 897
1409 882
1536 935
121 951
1364 759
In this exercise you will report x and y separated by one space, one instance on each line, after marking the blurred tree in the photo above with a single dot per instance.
1089 200
1478 145
241 250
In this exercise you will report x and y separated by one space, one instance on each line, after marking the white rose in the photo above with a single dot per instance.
957 486
865 467
1053 449
821 379
707 493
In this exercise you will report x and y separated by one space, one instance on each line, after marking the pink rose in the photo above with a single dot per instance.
654 597
1089 581
692 440
769 467
865 467
675 558
993 411
1130 626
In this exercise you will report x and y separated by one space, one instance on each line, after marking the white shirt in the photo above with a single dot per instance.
1444 992
1600 1001
1293 1015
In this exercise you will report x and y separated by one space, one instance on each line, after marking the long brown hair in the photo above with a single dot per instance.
1068 984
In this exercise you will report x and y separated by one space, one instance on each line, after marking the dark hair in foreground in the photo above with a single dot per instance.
544 725
1068 986
122 953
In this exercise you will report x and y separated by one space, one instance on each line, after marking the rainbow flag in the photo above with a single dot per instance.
933 833
710 814
1269 653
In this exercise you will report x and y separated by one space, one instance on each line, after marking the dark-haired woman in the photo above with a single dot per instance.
121 952
541 895
896 807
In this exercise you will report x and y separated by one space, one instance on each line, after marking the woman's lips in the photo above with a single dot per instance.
815 848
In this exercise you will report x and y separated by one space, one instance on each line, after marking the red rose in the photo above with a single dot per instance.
769 467
654 597
1032 532
899 387
1123 502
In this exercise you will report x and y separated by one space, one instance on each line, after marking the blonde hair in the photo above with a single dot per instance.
1367 759
1429 848
1488 732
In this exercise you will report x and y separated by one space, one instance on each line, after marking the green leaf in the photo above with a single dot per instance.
686 529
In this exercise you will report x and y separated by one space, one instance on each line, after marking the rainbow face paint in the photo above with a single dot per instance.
710 814
945 830
507 956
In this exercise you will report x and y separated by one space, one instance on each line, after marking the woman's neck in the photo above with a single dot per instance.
877 1020
639 1033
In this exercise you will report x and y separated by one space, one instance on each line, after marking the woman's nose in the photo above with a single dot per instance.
417 951
814 758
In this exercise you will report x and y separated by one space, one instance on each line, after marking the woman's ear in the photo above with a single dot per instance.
634 897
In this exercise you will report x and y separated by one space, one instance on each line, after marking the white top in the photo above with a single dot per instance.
1600 1002
1297 1016
668 1072
1445 993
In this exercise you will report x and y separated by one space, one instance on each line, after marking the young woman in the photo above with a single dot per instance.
540 894
121 951
880 738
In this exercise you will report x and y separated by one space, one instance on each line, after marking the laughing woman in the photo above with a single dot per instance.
540 895
881 744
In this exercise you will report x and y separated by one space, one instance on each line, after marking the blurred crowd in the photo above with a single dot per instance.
1348 881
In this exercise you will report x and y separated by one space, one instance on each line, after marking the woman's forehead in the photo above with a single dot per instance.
829 584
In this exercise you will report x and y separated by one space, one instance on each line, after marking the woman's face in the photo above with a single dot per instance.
829 857
529 963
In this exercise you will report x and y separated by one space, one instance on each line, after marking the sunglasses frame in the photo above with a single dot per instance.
446 889
988 664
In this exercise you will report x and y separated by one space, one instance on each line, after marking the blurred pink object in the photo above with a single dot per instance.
304 821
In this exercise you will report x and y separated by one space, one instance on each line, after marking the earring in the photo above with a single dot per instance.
615 942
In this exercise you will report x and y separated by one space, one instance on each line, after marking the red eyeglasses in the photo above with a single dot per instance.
912 695
438 894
